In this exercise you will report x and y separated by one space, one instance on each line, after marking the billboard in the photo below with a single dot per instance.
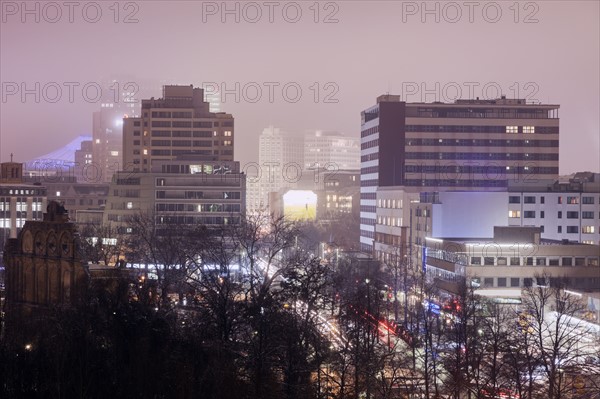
300 205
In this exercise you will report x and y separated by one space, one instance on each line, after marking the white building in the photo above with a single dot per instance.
280 160
331 150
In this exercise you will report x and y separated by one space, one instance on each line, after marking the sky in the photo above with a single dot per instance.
296 65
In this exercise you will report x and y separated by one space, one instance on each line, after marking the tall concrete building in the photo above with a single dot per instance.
107 135
179 123
331 150
280 161
83 160
476 145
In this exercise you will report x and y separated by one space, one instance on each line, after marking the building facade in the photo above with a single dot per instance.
280 165
465 145
179 123
43 270
19 201
188 190
331 150
515 257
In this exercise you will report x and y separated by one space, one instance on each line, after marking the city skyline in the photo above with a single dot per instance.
335 63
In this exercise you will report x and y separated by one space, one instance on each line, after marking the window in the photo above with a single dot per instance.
529 261
542 199
529 214
559 230
488 261
501 281
529 129
572 229
559 200
527 282
514 199
475 260
541 261
572 200
529 200
554 262
587 200
567 261
587 215
515 261
130 205
514 282
587 229
542 214
572 215
512 129
514 214
560 214
488 282
501 261
227 133
579 261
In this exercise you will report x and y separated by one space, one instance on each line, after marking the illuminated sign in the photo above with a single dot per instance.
300 205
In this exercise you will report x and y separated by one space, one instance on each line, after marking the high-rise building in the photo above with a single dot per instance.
107 127
476 145
83 158
331 150
280 159
179 123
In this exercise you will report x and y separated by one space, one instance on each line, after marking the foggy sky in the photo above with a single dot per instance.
368 52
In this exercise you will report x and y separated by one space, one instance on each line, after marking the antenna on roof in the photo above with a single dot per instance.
11 157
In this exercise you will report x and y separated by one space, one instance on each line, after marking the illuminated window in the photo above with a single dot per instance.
130 205
58 193
145 152
588 230
573 200
512 129
114 153
227 133
528 129
227 142
514 214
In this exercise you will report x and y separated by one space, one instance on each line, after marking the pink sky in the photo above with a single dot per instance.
373 48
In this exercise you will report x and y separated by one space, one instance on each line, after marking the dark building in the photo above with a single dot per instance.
43 269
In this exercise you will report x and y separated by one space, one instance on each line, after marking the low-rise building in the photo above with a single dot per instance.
515 257
187 190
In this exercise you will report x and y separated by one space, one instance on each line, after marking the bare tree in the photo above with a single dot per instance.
557 331
168 247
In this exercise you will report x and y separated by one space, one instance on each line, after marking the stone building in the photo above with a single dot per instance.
43 269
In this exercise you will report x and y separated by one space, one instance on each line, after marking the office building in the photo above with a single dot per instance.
19 201
188 190
477 145
179 123
513 258
280 161
331 150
